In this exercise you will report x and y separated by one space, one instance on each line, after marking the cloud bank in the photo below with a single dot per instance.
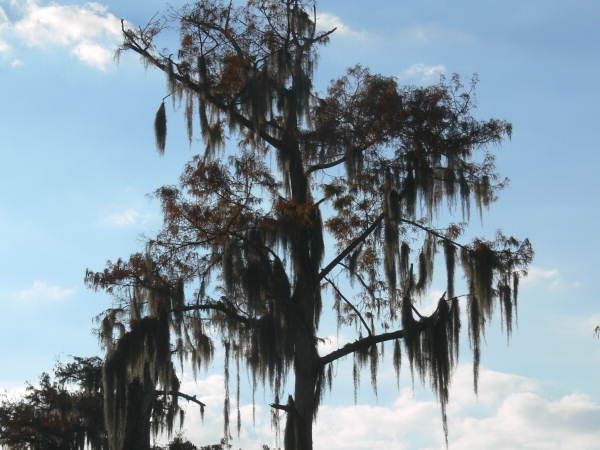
511 412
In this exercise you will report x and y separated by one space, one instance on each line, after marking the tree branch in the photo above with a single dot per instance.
132 43
367 342
328 165
433 232
351 305
218 306
189 398
355 243
361 280
369 290
285 408
418 326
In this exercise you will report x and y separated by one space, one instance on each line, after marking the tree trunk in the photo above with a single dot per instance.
135 434
301 410
302 407
139 410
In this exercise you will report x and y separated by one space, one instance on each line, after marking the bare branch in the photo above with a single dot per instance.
355 243
285 408
328 165
361 280
223 307
343 297
189 398
433 232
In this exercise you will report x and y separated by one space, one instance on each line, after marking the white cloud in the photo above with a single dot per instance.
89 31
537 276
511 412
93 54
16 63
423 72
66 24
429 302
127 218
40 290
328 21
428 34
330 344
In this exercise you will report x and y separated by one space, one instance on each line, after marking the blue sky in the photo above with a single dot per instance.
79 161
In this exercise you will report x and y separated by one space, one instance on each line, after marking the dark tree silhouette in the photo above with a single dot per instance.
60 414
241 257
66 412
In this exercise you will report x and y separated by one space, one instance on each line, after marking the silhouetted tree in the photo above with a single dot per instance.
66 413
240 258
136 362
60 414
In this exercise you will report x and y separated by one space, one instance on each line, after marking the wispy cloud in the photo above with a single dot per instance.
328 21
43 291
126 218
4 27
538 276
422 73
90 32
433 33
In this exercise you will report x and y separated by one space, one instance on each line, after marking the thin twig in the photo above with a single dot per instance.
343 297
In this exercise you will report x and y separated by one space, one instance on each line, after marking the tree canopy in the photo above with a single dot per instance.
65 412
249 256
60 414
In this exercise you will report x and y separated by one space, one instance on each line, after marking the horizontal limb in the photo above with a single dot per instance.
368 342
189 398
